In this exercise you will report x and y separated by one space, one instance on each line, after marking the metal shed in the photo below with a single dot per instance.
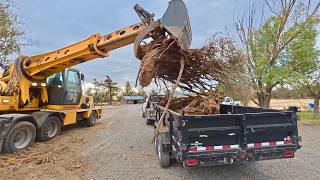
133 99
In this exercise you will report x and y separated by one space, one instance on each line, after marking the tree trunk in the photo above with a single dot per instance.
110 95
316 114
264 98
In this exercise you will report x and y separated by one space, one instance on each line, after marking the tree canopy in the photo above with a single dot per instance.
10 33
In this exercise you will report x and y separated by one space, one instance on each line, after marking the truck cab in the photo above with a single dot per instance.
148 111
229 101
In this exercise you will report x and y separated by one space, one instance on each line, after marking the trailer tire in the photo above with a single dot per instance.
21 136
49 129
91 121
163 156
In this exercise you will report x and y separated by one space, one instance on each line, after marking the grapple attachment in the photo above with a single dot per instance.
174 23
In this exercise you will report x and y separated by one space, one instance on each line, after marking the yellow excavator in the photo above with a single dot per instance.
42 93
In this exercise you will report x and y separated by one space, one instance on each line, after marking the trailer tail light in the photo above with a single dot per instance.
288 154
191 162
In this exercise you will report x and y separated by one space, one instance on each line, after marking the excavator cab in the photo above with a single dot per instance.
65 88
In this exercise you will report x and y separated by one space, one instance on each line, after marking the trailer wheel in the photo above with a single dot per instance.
50 129
91 121
163 156
21 136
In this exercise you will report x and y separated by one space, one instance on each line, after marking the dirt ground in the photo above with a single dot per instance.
119 147
60 157
285 103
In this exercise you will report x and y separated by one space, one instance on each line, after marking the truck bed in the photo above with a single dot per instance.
236 135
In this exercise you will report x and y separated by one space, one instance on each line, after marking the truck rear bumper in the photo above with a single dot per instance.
236 156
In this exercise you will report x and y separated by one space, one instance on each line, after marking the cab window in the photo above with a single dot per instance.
73 88
55 80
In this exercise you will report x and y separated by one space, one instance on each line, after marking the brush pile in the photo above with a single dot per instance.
217 62
195 105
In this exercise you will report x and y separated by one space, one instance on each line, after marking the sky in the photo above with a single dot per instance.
56 24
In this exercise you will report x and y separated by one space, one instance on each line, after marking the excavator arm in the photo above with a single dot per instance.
28 70
38 67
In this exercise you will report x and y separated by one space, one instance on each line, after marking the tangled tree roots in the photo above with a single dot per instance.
218 61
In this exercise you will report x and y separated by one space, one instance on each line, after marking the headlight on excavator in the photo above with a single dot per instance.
5 100
34 84
43 84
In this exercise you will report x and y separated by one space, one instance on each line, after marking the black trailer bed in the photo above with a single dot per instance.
236 135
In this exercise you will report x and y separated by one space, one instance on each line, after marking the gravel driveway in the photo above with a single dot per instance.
123 150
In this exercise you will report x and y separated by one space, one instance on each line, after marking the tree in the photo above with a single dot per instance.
280 47
10 32
98 91
141 92
128 90
111 86
311 84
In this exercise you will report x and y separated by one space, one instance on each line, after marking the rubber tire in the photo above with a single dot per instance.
8 145
41 133
150 122
143 115
163 157
91 121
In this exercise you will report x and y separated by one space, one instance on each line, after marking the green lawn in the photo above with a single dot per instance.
308 116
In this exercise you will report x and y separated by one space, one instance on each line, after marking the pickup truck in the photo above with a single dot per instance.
148 111
230 101
237 135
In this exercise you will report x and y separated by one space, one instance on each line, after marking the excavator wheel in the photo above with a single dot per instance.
21 136
50 129
91 121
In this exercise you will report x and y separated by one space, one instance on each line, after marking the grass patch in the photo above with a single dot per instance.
308 116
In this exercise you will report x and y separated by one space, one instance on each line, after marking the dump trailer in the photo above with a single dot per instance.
236 135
